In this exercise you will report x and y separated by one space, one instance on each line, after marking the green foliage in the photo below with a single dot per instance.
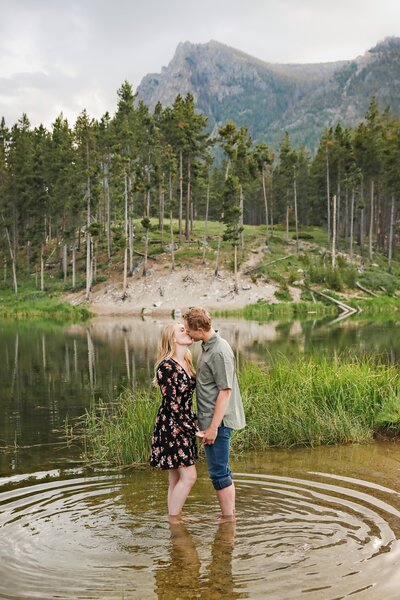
283 295
311 402
314 402
375 280
33 304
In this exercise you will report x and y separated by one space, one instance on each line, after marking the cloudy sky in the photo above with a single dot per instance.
66 55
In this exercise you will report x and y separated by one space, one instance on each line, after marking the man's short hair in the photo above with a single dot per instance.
197 317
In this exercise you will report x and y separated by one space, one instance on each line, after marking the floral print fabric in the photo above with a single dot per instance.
174 437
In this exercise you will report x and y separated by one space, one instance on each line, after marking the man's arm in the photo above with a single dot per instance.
221 404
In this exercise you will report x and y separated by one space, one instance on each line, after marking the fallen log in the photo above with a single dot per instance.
347 310
142 255
364 289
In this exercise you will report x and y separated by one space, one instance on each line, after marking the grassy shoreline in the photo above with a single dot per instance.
279 265
39 305
305 403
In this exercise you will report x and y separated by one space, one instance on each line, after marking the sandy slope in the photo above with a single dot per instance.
164 290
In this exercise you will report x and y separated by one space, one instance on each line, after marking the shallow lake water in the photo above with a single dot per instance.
312 523
320 523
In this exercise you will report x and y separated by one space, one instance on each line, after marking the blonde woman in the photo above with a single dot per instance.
174 438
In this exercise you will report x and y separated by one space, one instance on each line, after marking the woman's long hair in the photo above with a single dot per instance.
166 349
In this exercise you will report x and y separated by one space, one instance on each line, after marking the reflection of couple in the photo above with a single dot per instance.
181 577
219 405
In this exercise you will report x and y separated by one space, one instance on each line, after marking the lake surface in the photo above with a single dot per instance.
319 523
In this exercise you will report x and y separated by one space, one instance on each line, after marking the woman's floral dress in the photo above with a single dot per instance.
174 437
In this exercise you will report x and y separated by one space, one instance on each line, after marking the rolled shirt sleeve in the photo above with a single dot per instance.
223 369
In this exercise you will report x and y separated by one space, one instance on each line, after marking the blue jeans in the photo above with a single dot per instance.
218 459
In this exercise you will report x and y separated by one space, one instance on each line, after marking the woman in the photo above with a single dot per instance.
174 438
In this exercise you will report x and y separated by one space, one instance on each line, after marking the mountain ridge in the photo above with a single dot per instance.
270 97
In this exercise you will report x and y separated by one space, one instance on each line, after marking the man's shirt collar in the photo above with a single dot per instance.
210 343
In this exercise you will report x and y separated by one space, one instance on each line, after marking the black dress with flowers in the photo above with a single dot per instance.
174 437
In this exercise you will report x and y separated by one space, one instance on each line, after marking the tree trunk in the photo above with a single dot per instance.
216 271
187 218
206 222
351 224
41 269
295 212
371 219
346 217
191 213
125 276
108 211
328 196
88 245
171 231
265 204
28 257
146 241
390 246
287 223
13 262
73 266
362 232
180 195
241 221
338 214
130 227
161 210
235 270
272 206
65 263
171 226
334 234
94 260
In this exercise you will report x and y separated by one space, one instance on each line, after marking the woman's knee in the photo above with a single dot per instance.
189 475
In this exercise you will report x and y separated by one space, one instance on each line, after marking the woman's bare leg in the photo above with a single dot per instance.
181 490
173 478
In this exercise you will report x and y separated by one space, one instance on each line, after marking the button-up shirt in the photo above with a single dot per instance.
216 372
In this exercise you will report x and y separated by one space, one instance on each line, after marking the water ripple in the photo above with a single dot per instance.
316 536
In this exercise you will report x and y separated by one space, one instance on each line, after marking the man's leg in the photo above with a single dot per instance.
226 499
218 468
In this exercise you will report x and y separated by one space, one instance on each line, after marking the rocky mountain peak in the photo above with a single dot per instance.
273 97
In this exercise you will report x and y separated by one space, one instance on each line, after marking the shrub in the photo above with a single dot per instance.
283 295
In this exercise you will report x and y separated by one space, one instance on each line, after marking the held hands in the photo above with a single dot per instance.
209 435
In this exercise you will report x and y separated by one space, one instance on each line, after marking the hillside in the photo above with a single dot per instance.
273 97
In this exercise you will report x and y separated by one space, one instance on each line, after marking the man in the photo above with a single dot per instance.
219 403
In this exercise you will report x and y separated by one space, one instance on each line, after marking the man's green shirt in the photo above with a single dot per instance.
216 372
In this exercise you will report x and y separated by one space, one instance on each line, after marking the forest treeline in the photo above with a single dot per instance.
98 184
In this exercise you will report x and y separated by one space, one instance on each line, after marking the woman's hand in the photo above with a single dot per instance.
199 434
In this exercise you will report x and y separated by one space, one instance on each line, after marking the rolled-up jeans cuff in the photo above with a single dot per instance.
220 484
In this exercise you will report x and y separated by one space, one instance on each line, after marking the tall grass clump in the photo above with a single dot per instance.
307 402
119 433
313 402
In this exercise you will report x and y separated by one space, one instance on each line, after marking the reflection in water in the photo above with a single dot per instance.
181 576
219 580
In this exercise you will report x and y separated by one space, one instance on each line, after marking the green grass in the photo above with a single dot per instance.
307 402
32 304
312 402
263 311
380 304
120 433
